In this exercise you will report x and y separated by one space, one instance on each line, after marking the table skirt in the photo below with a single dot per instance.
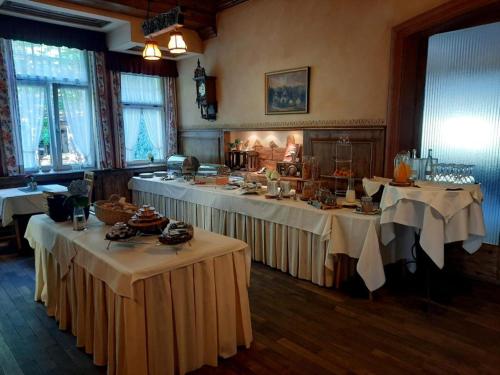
177 322
300 253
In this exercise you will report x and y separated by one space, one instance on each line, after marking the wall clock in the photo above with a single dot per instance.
205 93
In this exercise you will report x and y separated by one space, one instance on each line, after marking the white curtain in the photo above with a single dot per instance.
78 116
153 122
38 61
131 124
141 89
32 108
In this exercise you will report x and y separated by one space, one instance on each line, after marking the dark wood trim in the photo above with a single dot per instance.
408 62
202 135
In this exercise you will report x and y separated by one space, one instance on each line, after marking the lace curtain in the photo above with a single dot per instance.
57 64
76 104
32 101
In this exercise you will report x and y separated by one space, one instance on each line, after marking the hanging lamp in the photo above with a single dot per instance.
176 44
151 50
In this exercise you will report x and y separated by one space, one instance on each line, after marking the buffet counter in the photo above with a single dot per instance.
285 234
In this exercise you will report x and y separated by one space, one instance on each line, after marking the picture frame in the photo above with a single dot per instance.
287 91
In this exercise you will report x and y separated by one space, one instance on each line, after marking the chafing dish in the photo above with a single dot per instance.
182 165
213 170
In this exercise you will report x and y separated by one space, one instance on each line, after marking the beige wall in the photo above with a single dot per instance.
345 42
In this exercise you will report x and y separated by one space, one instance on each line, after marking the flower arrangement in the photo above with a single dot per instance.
78 190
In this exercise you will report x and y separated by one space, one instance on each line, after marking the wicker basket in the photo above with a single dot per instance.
110 216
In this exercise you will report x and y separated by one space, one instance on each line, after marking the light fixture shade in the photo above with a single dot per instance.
176 44
151 51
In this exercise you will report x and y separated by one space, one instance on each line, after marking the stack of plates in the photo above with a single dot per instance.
161 174
146 175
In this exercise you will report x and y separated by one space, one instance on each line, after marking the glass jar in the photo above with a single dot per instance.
350 194
402 168
308 191
79 221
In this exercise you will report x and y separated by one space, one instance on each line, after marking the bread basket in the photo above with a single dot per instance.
111 216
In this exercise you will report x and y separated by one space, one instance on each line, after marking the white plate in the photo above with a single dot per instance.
160 174
146 175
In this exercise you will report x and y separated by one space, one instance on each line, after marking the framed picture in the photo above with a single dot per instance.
287 91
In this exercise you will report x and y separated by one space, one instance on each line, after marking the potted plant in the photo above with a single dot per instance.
237 144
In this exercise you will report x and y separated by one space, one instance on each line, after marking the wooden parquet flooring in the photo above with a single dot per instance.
299 328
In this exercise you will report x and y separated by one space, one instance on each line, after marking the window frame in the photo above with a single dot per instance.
51 92
142 106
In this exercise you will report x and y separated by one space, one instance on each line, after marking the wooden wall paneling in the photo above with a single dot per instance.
206 145
368 149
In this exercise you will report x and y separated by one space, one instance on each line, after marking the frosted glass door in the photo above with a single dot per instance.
461 121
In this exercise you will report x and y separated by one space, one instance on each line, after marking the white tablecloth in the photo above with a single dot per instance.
288 235
441 216
144 308
18 202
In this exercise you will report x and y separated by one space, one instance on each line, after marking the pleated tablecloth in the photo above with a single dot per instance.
144 308
288 235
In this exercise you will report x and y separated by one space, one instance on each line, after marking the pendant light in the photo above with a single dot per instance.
151 50
176 44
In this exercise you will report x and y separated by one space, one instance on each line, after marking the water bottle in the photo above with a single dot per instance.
414 165
429 167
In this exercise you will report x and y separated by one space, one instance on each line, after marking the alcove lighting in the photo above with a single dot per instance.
176 44
151 50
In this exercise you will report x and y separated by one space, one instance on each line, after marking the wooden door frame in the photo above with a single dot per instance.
409 43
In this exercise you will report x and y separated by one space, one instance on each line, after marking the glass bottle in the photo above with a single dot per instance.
350 195
414 164
429 167
79 221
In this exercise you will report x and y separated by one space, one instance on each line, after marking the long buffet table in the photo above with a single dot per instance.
303 241
144 308
288 235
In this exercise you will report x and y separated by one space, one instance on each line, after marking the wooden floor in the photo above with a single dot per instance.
298 328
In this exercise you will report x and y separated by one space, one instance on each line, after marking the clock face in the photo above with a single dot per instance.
201 89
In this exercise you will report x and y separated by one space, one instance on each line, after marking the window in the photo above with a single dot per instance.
143 117
462 109
55 107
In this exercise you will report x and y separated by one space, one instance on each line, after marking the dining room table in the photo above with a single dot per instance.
287 234
139 306
24 201
433 214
